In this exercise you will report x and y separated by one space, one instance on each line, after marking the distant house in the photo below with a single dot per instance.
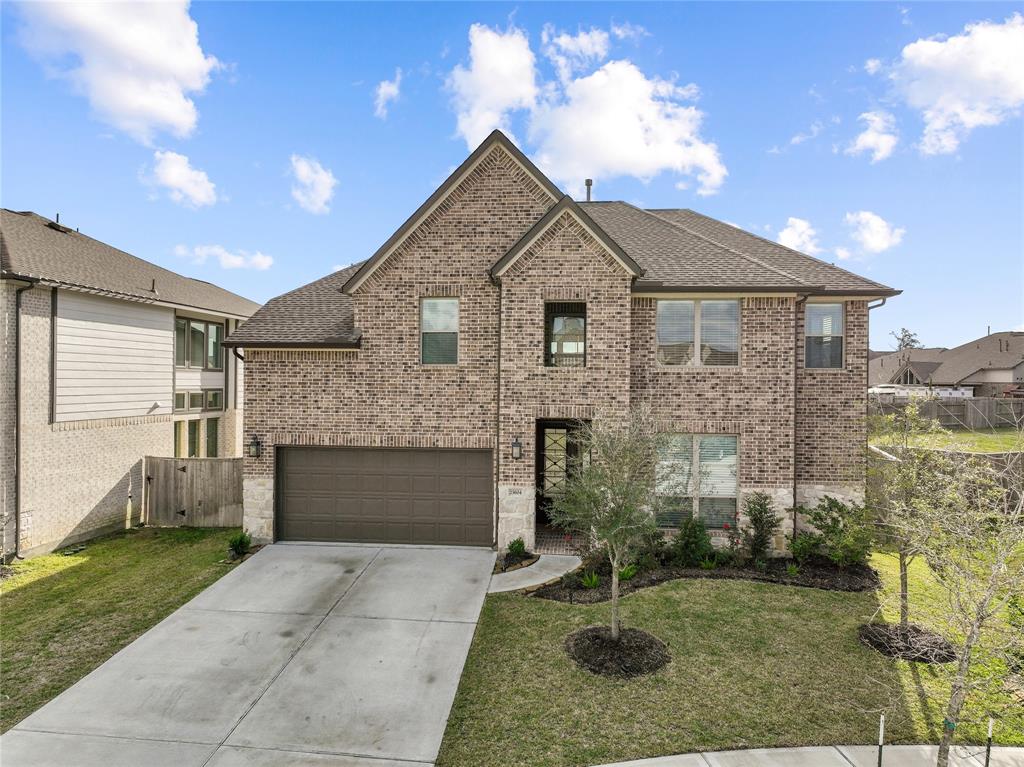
991 366
106 358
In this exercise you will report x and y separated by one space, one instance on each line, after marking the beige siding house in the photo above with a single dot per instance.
106 358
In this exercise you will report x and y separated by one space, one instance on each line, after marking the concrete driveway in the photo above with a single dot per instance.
318 655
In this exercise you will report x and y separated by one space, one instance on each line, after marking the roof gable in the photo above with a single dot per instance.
494 140
566 205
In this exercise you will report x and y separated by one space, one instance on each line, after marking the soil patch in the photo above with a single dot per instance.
816 576
636 652
506 563
912 643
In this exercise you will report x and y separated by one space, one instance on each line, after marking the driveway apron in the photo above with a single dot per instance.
320 655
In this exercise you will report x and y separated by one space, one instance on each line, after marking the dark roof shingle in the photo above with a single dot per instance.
34 247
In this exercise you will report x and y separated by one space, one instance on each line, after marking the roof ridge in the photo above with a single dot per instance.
748 257
780 245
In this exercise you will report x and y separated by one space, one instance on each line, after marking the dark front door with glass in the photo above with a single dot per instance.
557 453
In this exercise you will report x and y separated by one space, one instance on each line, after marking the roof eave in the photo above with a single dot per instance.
243 344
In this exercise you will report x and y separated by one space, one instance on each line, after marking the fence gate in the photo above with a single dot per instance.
198 492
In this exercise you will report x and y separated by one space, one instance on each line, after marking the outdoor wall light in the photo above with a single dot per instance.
255 447
517 448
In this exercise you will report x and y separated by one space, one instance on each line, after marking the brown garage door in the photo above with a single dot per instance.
385 495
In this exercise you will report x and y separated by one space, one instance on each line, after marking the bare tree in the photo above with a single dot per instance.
971 533
905 339
610 497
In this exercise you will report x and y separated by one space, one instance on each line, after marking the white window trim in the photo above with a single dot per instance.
696 363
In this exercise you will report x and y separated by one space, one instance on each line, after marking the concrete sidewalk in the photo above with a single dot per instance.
547 568
835 756
334 656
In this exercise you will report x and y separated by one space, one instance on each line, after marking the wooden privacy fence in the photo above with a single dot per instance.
197 492
968 413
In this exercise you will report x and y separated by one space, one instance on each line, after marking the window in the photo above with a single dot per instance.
439 331
907 377
195 400
197 343
696 476
214 336
180 400
212 425
179 439
565 335
699 333
193 439
824 336
180 342
214 399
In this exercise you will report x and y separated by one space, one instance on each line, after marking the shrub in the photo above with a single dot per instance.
804 546
845 531
792 570
690 545
627 572
571 580
709 563
653 548
517 548
240 543
590 580
762 524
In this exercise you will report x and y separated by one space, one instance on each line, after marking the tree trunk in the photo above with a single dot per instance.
615 601
957 696
904 589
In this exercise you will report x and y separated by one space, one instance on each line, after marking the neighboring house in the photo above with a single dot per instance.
106 358
429 394
990 366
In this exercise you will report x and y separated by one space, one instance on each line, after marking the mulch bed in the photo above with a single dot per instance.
815 576
636 652
913 643
506 563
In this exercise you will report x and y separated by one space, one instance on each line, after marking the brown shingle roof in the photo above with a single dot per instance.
315 314
35 248
949 367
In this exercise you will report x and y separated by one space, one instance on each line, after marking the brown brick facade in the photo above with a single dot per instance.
381 395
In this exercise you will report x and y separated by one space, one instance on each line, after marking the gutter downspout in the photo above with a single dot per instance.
497 424
796 378
17 417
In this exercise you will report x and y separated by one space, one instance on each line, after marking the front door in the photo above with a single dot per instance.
557 451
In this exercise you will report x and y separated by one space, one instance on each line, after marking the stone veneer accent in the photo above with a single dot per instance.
382 395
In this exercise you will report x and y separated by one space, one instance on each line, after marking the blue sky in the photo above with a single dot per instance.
242 143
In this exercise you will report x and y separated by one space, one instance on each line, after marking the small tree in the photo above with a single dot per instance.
610 496
762 525
905 339
973 540
900 486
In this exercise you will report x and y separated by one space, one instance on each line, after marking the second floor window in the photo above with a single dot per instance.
698 333
197 344
439 331
823 325
565 335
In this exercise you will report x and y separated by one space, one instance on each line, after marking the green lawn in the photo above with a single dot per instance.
1001 440
62 616
753 665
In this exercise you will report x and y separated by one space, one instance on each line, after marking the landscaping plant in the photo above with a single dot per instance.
239 544
845 530
804 546
517 548
691 544
590 580
611 497
762 525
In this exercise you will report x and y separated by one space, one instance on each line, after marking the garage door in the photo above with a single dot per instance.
384 495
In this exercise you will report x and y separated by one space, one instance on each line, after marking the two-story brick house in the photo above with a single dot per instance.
427 394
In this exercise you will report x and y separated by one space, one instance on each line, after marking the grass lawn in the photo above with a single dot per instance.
1002 440
64 615
753 665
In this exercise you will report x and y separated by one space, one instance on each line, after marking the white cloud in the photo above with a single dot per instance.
872 232
501 78
618 122
872 66
572 53
627 31
963 82
184 184
137 63
879 137
314 184
843 254
387 91
800 235
241 259
810 133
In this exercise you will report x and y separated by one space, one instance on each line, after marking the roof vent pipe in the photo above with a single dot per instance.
590 183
